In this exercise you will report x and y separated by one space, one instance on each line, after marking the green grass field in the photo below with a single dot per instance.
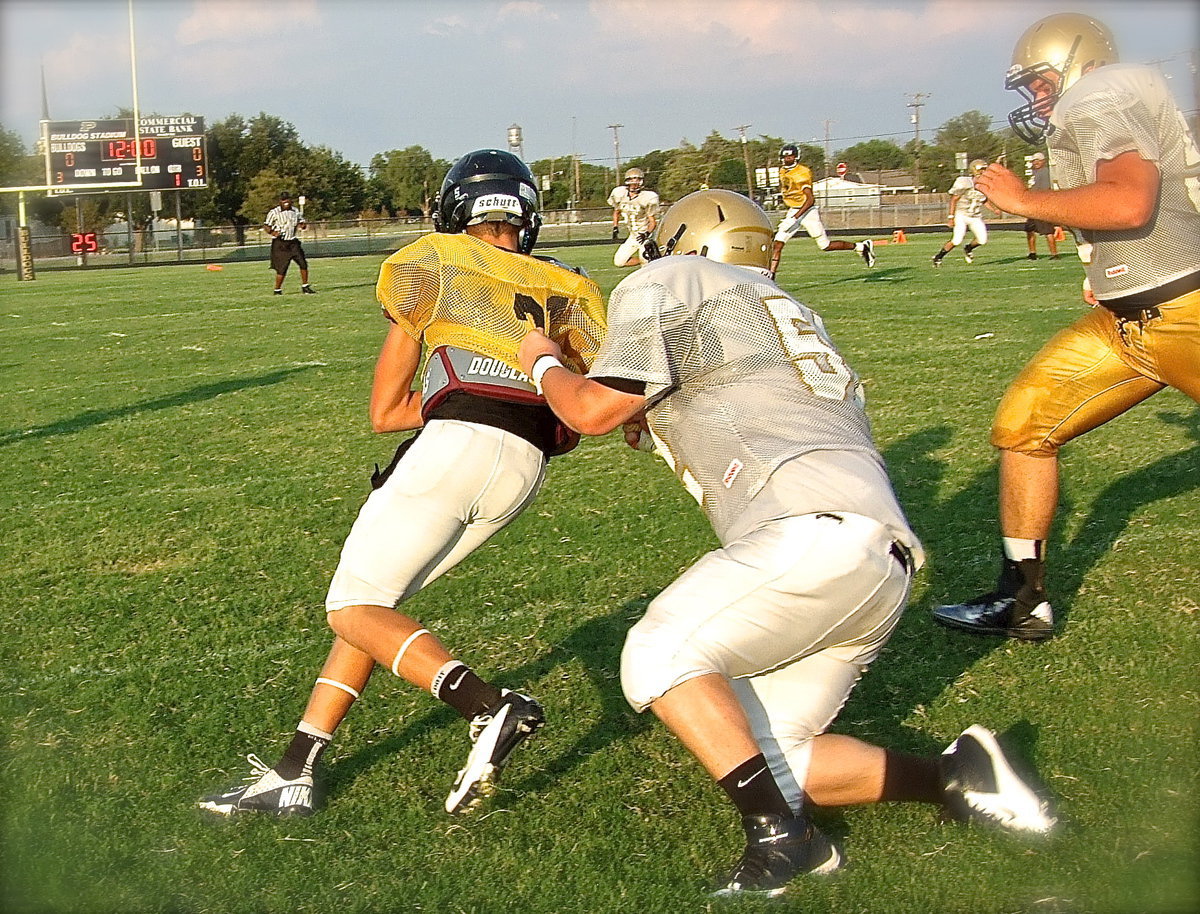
181 455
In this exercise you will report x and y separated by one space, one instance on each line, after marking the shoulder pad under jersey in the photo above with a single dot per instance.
558 263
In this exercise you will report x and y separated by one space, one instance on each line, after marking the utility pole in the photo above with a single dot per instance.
917 104
826 169
1194 66
616 129
746 158
574 169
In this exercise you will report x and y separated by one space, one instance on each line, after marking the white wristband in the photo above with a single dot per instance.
541 365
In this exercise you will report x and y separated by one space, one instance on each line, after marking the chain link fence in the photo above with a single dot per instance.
166 242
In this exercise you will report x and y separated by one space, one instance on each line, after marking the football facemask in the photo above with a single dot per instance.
1048 59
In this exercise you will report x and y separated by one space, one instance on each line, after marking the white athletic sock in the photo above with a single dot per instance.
1018 550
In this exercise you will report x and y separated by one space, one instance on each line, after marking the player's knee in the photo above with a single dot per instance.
654 661
339 619
822 241
1016 426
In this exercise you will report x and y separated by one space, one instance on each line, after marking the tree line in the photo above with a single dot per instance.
251 160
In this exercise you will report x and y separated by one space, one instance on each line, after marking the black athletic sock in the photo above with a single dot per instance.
968 248
911 778
753 790
461 689
302 754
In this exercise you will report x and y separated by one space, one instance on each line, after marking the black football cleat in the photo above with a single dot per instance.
778 849
868 252
1029 619
1017 608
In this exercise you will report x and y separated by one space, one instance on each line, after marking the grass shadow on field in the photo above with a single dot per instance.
921 662
960 535
596 645
1020 259
1112 509
339 286
875 275
95 417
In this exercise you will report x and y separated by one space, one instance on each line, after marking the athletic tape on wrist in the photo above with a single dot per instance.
403 647
541 365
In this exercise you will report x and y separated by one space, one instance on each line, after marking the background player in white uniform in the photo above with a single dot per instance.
638 209
750 654
1126 168
796 189
468 292
966 212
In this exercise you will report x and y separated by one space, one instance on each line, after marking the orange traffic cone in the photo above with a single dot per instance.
898 237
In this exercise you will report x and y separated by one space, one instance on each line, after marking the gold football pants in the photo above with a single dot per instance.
1095 370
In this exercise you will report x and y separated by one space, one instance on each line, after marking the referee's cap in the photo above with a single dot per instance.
285 196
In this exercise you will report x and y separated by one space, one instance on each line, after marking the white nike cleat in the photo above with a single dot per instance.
495 733
981 784
264 791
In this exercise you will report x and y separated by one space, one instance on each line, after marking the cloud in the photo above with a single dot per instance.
446 25
525 9
801 34
226 20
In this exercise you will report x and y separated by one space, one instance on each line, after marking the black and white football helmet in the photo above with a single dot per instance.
489 185
789 149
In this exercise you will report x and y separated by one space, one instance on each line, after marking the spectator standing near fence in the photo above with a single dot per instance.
281 224
1039 179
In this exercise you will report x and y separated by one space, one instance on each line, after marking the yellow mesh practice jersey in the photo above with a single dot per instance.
456 290
792 182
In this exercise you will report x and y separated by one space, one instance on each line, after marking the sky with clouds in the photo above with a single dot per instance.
367 76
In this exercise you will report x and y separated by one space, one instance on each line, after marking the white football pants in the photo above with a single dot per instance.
458 484
975 223
793 612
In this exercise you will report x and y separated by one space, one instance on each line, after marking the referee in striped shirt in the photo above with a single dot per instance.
281 224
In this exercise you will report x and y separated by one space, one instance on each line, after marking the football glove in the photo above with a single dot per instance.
615 231
650 249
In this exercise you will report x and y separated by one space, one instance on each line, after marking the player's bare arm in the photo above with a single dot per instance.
1123 196
809 200
395 407
953 206
587 406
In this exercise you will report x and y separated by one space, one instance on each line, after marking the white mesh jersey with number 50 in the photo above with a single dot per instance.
808 347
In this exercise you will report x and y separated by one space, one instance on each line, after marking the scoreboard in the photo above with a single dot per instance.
82 154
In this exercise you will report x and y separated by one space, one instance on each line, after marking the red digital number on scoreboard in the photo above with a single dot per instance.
125 150
84 243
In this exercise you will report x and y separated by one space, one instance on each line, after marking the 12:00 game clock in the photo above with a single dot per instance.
169 153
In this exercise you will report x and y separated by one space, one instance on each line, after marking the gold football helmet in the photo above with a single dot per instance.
1049 58
976 166
719 225
636 177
